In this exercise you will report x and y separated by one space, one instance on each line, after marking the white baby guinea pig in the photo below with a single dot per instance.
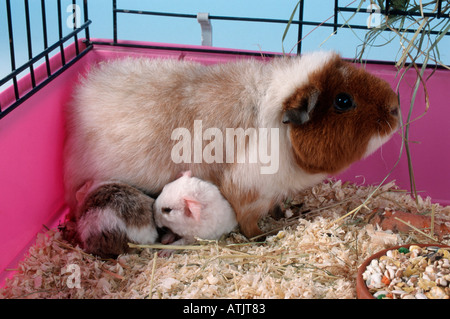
191 207
111 215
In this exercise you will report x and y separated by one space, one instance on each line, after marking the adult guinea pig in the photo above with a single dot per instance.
111 215
190 208
260 131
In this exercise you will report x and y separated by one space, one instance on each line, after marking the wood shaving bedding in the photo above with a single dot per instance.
311 254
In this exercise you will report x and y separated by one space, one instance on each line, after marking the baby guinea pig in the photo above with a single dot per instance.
112 214
191 207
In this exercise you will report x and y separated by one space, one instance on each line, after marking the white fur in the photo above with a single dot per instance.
375 143
97 220
217 217
142 235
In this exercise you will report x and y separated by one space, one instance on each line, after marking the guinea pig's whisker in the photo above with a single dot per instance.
381 149
390 130
390 126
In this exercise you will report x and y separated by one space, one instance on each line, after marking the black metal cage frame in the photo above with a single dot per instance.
73 37
48 50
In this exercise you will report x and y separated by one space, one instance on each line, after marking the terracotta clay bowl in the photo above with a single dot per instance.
362 292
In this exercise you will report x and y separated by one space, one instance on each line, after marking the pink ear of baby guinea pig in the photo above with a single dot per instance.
113 214
191 207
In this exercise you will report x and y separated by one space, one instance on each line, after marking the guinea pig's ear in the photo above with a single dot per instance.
298 107
185 173
82 192
192 208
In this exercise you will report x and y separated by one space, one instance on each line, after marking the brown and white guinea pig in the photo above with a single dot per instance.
190 208
111 215
301 118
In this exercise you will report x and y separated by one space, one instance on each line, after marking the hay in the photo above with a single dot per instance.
312 254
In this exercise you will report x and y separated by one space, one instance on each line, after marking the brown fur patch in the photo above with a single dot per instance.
330 141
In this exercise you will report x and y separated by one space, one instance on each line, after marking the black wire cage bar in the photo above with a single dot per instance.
57 47
387 10
81 37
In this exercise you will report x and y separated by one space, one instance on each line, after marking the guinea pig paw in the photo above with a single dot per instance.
165 253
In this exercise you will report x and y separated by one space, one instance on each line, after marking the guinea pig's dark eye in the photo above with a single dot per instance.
343 102
166 210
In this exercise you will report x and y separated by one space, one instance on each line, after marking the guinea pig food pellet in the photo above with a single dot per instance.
414 273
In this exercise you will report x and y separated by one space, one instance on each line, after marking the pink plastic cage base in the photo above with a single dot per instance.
32 137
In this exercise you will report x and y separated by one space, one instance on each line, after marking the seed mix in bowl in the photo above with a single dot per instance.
414 273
